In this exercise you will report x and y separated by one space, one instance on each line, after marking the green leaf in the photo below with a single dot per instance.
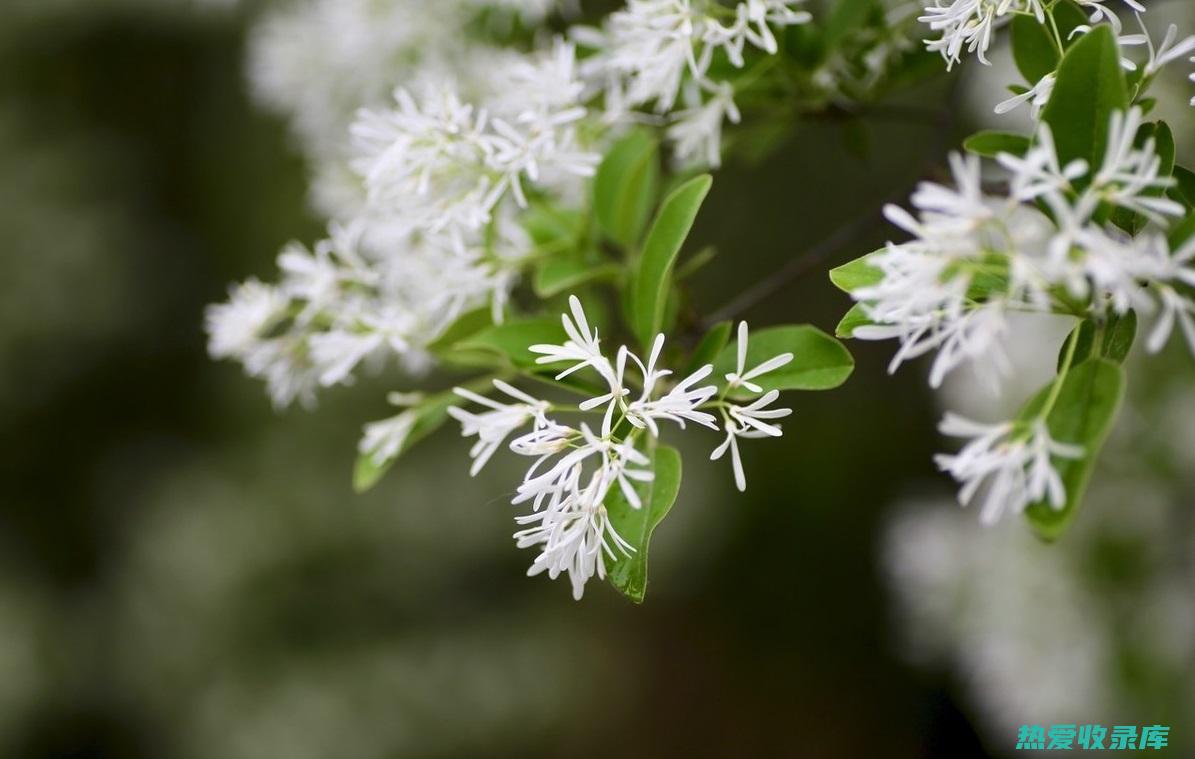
653 273
553 229
710 346
990 143
509 342
628 574
468 324
1068 16
1082 415
819 361
1090 87
625 187
855 318
1119 334
847 16
1184 191
558 275
1182 232
428 415
1033 48
856 274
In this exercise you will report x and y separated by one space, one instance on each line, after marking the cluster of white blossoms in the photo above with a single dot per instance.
437 236
576 467
656 53
426 191
969 25
975 257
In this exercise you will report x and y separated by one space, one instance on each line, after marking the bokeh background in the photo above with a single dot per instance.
185 573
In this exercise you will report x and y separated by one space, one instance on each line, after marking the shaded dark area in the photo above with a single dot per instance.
136 469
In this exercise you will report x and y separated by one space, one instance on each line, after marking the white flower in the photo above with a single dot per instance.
748 422
1038 96
581 349
494 426
1128 173
1101 13
697 130
1165 53
1011 462
679 404
741 376
970 24
569 522
237 326
384 440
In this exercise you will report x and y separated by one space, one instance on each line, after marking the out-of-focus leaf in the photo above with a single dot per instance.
990 143
625 187
558 275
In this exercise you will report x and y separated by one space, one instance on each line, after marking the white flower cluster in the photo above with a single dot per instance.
437 234
970 24
658 52
976 257
427 191
575 468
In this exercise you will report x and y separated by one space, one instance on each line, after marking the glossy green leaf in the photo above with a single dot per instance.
1089 88
558 275
653 272
625 187
990 143
819 361
1033 48
856 274
628 574
428 416
1083 415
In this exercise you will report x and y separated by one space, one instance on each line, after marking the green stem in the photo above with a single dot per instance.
1068 360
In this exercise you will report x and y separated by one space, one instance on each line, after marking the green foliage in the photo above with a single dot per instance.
1090 87
430 414
508 344
558 275
1184 190
652 276
1082 414
625 187
856 274
710 346
989 143
1033 49
819 361
628 574
855 318
846 17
